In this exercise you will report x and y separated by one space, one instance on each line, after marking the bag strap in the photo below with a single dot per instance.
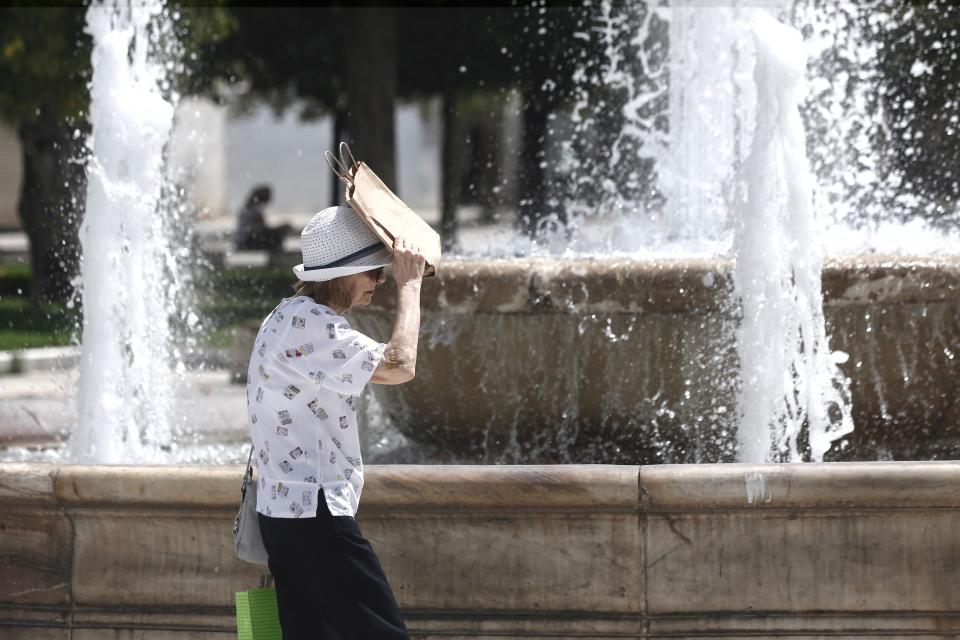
249 472
243 492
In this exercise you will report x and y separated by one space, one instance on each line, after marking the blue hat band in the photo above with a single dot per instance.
356 255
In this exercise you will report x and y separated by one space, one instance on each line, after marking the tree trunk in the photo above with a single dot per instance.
337 187
533 185
449 172
52 199
371 86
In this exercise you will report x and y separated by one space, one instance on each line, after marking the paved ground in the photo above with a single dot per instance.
38 411
39 408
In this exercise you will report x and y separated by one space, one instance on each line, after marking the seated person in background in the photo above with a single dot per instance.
252 231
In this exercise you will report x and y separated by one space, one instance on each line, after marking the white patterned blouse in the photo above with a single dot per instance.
307 371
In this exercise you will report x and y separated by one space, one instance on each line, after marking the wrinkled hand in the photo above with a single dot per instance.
408 262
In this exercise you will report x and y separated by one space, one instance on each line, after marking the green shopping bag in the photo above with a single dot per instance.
257 615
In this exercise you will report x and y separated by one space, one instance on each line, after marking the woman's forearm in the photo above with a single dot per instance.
399 361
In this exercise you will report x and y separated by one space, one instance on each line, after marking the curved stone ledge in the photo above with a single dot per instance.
847 550
183 487
854 485
388 488
629 285
500 488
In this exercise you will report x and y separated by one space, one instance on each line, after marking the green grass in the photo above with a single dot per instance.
23 327
227 299
12 340
14 280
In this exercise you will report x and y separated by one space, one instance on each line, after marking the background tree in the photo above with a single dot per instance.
352 64
335 60
44 69
458 55
44 72
319 61
471 55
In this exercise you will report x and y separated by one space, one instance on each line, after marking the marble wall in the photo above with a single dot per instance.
589 551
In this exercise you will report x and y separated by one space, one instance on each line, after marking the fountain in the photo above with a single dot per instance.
788 373
626 355
129 271
648 307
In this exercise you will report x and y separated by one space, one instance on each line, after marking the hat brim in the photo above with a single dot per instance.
382 258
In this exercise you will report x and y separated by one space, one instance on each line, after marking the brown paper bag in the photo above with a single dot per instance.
380 208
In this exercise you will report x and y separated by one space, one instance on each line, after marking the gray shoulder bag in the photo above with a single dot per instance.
246 529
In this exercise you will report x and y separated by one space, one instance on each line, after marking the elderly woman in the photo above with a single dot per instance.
307 372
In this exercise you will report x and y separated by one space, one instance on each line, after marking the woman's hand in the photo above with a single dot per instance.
408 262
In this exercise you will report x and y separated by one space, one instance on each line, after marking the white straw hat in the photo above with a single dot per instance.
335 243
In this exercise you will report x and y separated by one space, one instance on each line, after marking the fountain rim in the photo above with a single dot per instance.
637 285
888 485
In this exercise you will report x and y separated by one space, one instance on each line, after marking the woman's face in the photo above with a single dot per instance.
361 285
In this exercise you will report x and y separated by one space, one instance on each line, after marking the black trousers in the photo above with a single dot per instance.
330 585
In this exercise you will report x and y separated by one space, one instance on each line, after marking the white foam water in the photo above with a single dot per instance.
127 269
790 381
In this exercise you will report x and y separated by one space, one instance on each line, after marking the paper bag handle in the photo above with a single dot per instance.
345 154
338 169
344 169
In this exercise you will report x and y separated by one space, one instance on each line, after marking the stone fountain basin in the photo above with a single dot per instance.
616 360
863 550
